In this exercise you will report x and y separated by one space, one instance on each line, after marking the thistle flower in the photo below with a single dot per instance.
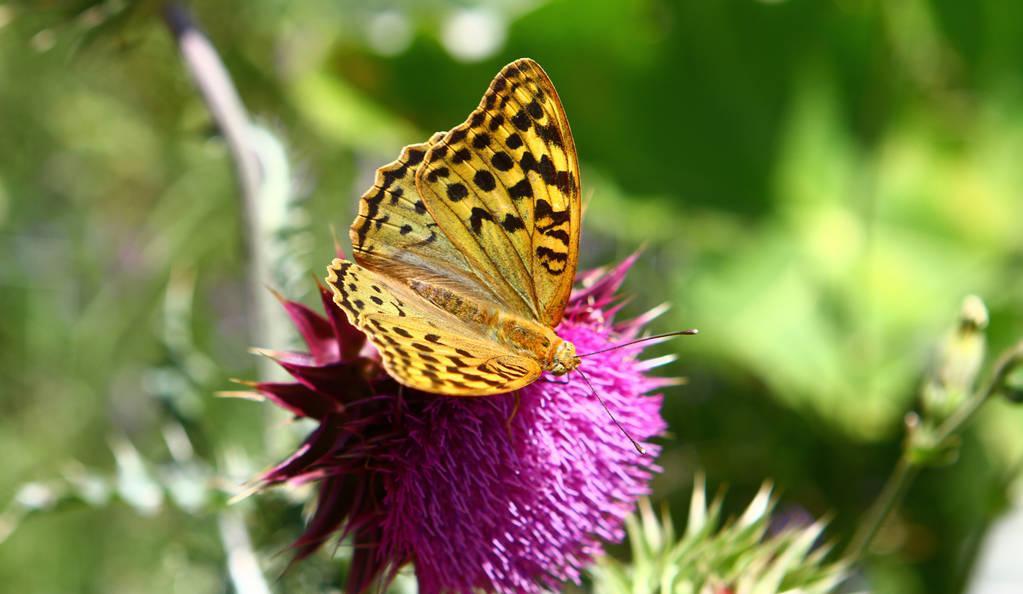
478 493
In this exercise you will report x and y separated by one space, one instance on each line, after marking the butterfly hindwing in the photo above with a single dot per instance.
435 359
361 292
504 189
422 346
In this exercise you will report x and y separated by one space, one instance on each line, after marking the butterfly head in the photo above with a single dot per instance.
565 359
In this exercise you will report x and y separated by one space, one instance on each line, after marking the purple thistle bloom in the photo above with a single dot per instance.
476 494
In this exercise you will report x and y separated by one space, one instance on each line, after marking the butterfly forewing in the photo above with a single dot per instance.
504 189
395 234
421 346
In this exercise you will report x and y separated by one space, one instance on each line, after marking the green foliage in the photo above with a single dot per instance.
187 485
745 555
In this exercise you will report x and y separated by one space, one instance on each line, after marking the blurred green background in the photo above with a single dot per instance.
817 184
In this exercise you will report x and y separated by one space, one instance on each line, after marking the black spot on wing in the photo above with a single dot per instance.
472 377
392 175
457 191
547 170
552 261
476 218
430 239
438 173
534 109
550 134
385 339
543 211
558 234
415 156
512 223
546 253
521 120
565 181
502 161
339 286
484 180
545 167
522 189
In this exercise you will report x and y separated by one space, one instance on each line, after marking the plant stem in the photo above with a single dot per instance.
1007 361
221 98
906 469
903 474
228 112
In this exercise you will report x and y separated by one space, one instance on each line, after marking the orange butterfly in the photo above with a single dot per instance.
466 247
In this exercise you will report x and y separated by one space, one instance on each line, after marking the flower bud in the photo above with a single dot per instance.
957 362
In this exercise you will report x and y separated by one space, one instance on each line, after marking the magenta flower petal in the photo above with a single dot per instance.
318 333
476 493
299 399
349 339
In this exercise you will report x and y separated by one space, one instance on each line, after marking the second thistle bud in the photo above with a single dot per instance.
957 362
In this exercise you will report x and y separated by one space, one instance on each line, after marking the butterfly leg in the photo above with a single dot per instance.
515 411
550 381
399 404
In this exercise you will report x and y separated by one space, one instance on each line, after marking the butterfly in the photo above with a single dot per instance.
465 248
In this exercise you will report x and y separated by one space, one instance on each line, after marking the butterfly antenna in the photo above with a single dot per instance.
688 332
635 443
